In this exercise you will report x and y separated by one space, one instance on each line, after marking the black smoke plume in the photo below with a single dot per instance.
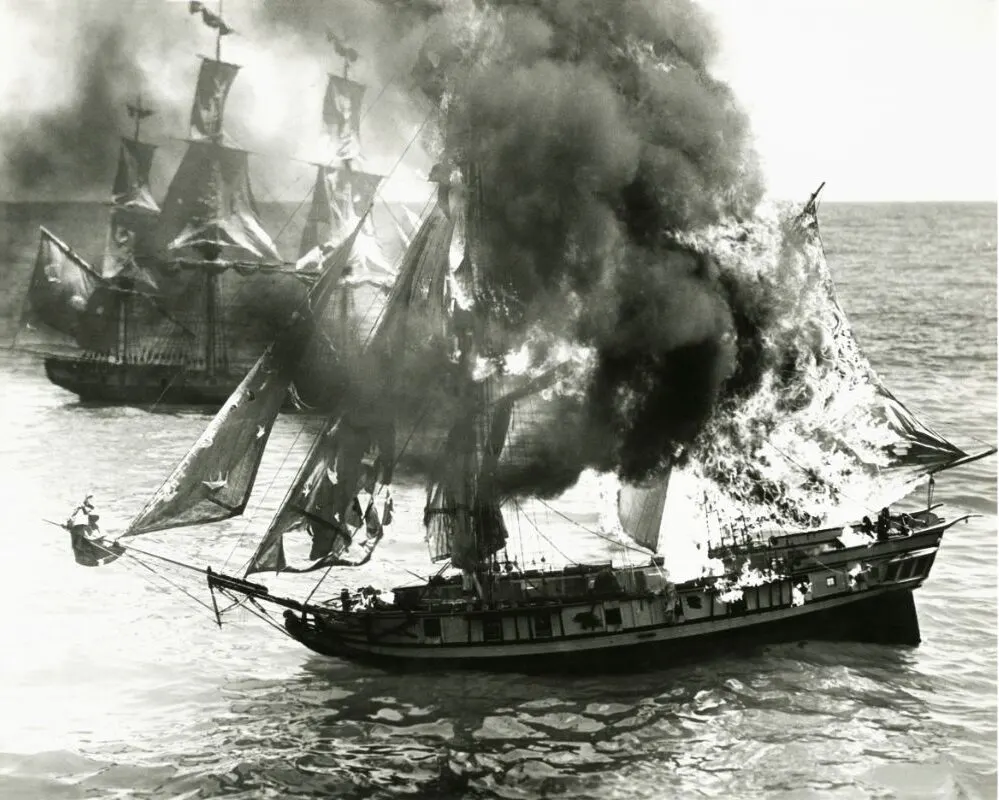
597 138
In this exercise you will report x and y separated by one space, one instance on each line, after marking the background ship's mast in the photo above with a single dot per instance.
124 298
215 332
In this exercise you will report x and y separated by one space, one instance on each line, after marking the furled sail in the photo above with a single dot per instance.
62 285
213 481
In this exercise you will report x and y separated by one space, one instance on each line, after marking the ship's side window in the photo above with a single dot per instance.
492 629
831 580
612 616
905 570
542 625
891 573
693 601
432 627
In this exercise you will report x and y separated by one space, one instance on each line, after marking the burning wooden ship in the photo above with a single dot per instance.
480 412
846 581
149 324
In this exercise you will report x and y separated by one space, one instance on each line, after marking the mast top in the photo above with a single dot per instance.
348 54
212 20
138 112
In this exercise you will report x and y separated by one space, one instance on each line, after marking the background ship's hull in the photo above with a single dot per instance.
140 384
884 617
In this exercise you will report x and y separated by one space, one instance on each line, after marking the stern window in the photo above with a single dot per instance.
612 616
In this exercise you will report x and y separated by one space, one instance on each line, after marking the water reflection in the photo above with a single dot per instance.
338 729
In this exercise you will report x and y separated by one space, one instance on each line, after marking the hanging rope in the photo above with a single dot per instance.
537 529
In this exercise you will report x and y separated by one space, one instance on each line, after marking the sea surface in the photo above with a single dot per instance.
114 683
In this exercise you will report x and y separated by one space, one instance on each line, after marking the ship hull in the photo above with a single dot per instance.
831 584
888 618
140 384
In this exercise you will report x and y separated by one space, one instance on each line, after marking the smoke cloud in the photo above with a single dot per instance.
598 138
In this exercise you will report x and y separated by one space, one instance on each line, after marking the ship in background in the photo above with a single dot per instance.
148 325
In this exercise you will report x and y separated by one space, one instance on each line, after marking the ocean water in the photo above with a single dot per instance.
115 684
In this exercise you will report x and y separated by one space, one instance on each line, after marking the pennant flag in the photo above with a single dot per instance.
210 18
340 46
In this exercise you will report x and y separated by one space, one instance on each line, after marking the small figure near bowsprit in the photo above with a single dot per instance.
85 516
884 524
345 600
89 547
866 525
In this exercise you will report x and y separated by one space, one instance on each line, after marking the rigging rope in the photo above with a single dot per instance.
181 589
604 536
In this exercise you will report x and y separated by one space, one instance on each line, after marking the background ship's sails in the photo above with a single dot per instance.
62 286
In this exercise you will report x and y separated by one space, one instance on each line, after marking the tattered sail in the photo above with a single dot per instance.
333 477
916 449
342 191
62 285
213 481
131 182
340 489
463 514
342 117
339 199
210 201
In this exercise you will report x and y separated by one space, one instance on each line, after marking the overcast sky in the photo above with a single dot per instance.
884 99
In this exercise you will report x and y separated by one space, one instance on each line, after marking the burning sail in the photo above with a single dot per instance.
821 437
